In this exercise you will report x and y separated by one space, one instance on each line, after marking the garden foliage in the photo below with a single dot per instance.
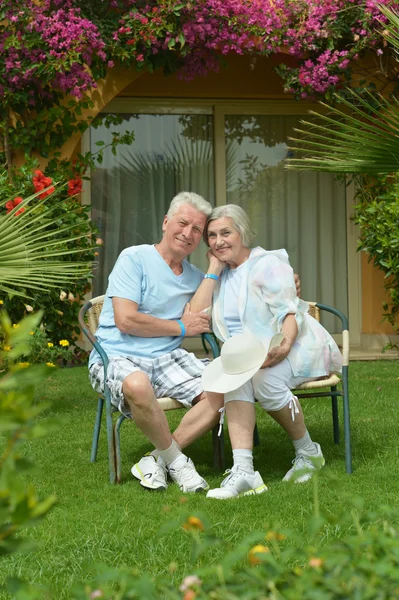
54 52
46 243
377 214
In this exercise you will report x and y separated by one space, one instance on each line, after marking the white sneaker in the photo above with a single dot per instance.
238 483
305 462
151 472
183 472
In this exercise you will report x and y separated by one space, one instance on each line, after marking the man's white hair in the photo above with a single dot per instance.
191 198
240 220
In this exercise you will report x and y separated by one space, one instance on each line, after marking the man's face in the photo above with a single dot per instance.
183 231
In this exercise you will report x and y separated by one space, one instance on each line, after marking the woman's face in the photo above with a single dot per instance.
225 241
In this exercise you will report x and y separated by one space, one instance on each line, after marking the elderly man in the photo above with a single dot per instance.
143 322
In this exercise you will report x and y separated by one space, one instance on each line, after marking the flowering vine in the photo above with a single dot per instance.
53 48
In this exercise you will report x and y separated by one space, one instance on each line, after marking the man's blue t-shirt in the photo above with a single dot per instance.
141 274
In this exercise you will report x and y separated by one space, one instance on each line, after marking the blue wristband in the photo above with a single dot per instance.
182 328
211 276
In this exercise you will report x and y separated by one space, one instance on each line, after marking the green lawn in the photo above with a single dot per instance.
117 525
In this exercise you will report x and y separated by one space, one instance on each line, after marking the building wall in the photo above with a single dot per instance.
245 78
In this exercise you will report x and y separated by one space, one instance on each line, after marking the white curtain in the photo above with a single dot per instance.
303 212
131 190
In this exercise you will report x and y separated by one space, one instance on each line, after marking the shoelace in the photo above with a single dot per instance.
300 462
231 477
185 472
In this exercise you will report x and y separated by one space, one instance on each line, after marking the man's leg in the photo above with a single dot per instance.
146 411
200 419
152 421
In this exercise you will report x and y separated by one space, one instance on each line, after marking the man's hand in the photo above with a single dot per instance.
297 285
277 355
195 323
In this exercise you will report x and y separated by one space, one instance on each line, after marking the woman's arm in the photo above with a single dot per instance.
290 331
202 298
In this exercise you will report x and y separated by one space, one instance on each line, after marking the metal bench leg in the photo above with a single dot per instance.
118 448
347 427
218 448
97 427
110 439
334 406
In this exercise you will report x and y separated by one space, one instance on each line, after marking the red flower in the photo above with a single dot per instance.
11 204
74 186
40 182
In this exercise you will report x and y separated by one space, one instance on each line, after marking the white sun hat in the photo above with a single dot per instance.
241 357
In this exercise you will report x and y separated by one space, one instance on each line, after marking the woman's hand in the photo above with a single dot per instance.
216 266
277 355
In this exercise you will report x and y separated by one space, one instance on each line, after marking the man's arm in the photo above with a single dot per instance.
129 320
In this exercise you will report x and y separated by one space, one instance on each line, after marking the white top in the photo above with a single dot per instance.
141 275
231 297
267 294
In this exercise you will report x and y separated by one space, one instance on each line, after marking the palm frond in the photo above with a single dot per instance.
391 28
33 246
362 137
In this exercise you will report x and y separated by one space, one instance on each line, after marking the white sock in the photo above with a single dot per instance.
155 452
171 453
243 458
305 445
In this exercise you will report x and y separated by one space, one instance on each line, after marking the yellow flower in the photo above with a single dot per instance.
15 325
193 524
1 302
50 344
31 333
50 364
64 343
6 348
23 365
315 562
255 551
274 535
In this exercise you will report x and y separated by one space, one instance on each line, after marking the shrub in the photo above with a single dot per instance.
377 213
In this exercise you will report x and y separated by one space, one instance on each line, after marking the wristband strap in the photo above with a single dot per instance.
182 328
211 276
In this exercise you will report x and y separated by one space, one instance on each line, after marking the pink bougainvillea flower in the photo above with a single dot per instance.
74 186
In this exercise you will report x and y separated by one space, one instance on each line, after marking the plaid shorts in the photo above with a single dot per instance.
176 375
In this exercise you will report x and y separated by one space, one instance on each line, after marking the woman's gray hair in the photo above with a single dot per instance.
240 220
191 198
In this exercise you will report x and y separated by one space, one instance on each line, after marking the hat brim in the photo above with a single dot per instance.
214 379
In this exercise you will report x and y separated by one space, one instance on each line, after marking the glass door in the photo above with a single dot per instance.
303 212
131 191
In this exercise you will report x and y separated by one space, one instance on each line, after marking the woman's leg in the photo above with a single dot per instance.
241 480
272 388
241 419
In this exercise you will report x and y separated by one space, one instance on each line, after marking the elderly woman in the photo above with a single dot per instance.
253 290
